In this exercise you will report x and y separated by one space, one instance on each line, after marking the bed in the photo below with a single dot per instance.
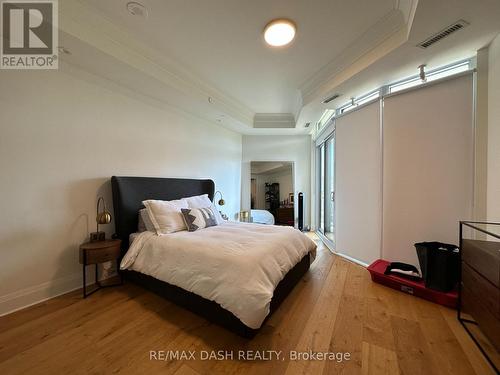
128 194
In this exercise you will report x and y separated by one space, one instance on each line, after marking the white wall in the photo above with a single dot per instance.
296 148
61 139
493 188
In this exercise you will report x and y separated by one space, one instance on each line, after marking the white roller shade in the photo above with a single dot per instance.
358 184
428 166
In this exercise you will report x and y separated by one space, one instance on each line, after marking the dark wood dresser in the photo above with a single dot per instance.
480 287
285 216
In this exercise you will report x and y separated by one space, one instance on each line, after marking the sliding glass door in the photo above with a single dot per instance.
321 188
329 228
326 190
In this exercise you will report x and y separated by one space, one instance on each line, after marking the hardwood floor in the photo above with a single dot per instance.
336 308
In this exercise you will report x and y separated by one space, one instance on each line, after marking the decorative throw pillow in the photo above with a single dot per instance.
198 218
145 223
166 216
202 201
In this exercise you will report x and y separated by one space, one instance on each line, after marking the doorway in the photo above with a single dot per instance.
326 211
272 197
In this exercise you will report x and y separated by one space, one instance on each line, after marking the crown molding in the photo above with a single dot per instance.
83 22
76 71
390 32
369 41
87 24
408 9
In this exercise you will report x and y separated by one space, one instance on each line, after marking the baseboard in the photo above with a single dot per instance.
354 260
30 296
329 247
23 298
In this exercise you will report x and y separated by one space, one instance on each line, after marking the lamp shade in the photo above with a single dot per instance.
103 217
221 201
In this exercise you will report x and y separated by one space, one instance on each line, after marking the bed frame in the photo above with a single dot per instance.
128 194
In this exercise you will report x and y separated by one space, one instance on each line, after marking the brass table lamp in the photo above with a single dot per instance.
103 217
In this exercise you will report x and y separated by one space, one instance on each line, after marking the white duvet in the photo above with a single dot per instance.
237 265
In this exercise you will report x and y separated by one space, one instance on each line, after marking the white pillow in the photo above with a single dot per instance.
202 201
166 216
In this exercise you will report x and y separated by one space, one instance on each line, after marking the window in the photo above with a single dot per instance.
405 85
327 115
448 71
347 107
359 101
368 98
431 76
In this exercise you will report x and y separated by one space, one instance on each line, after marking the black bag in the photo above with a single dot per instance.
439 263
409 271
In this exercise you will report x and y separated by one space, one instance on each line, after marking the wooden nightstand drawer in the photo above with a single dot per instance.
93 253
99 252
100 255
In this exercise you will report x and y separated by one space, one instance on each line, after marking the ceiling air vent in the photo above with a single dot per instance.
443 34
330 98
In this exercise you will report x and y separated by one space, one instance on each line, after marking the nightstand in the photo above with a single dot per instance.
99 252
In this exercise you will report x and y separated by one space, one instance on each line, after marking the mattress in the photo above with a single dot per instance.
237 265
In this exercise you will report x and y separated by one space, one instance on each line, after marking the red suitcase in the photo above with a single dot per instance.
416 288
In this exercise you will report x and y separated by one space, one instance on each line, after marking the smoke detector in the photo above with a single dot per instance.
137 9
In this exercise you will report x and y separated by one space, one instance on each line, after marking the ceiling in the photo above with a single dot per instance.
270 167
208 58
430 18
221 41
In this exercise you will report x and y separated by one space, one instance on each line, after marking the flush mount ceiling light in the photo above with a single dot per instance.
280 32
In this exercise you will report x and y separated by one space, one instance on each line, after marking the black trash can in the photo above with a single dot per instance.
439 263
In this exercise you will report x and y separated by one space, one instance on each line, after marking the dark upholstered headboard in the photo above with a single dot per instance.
129 192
